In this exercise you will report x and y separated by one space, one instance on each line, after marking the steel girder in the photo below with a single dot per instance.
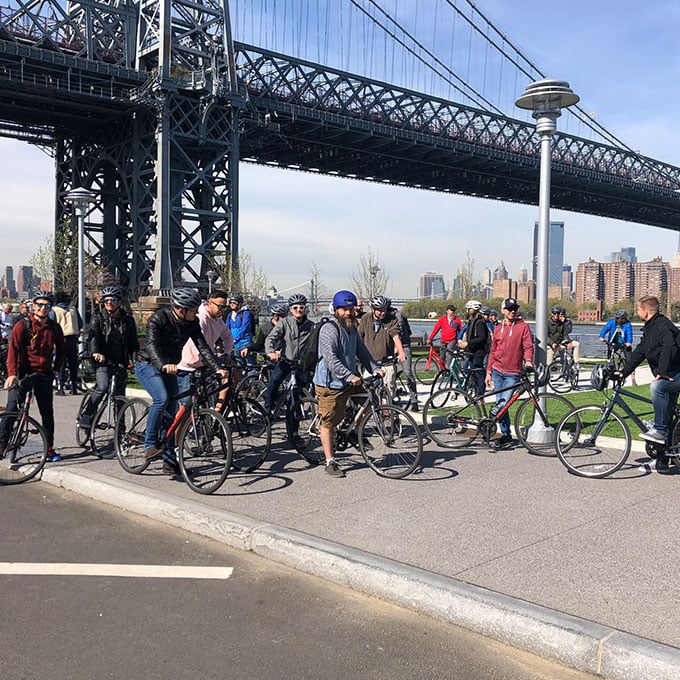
332 122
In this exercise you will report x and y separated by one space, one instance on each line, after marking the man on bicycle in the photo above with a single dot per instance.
558 338
659 345
278 310
31 348
113 339
336 377
381 334
167 331
450 326
511 346
287 342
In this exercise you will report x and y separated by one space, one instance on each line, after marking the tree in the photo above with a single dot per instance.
247 278
370 278
318 288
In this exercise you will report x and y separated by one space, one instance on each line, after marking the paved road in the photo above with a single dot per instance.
264 621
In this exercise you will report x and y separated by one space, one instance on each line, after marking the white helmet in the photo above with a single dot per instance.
473 304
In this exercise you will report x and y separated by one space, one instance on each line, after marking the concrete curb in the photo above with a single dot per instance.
574 642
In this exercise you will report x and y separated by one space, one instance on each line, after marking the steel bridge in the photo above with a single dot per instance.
152 106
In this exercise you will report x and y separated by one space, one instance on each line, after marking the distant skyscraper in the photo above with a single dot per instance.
25 279
432 285
555 253
567 277
500 273
523 276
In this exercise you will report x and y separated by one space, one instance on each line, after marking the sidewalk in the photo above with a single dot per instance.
504 543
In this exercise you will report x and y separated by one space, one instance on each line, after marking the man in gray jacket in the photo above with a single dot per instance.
287 343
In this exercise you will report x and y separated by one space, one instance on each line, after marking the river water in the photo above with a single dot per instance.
586 334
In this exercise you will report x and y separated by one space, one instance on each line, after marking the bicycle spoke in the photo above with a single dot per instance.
26 450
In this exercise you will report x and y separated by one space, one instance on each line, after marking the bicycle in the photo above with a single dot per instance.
464 417
25 452
427 367
616 355
387 437
203 437
255 378
101 431
564 373
594 441
456 376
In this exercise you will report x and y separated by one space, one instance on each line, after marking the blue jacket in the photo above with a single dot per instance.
612 330
241 328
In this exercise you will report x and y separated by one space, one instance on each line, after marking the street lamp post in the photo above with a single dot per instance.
373 271
211 275
81 199
546 99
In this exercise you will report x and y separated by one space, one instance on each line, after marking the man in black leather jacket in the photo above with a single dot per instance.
167 331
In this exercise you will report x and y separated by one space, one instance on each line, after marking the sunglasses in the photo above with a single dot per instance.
111 300
298 307
220 307
40 305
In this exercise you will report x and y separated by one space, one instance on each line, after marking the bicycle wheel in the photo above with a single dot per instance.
442 381
83 433
251 435
251 387
558 382
104 427
26 451
535 433
306 440
390 441
423 374
204 451
586 456
455 424
129 436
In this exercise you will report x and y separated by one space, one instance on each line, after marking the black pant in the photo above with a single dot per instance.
42 390
72 360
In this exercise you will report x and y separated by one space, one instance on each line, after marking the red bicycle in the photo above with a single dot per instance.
427 368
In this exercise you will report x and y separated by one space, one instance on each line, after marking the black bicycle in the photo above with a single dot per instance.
25 453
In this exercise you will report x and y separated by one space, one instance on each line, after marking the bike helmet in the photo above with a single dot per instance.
297 299
344 298
485 310
280 308
185 298
599 377
555 309
493 312
621 314
236 297
44 296
112 291
379 302
541 375
473 304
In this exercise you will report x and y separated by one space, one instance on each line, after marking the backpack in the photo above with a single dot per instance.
28 328
310 358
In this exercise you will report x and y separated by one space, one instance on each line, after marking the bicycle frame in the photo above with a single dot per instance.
617 400
436 357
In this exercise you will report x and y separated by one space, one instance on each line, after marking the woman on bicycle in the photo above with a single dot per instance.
167 331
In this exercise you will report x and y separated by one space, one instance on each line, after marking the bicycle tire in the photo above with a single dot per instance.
587 458
251 435
454 425
103 430
26 452
540 441
308 440
204 451
390 441
129 436
83 433
556 381
251 387
441 382
424 375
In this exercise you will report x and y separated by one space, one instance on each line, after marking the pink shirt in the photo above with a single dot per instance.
213 330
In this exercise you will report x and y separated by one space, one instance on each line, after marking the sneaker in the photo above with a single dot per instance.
52 455
662 464
653 435
503 441
333 469
170 469
153 452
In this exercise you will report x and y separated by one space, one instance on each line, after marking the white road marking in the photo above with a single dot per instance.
123 570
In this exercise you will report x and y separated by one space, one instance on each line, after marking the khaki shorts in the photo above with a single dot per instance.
332 403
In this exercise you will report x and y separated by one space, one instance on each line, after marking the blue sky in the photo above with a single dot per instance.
621 57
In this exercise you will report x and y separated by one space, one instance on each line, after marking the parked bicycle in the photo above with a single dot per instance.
616 355
456 376
464 418
427 367
25 452
564 373
595 441
387 437
101 430
202 436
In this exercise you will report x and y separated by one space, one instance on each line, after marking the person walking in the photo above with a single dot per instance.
71 324
450 326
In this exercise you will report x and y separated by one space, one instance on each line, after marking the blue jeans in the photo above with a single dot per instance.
501 380
162 389
664 397
103 376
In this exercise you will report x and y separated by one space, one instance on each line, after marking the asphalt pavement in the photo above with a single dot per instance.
504 543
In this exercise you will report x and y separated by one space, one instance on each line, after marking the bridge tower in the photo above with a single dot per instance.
166 172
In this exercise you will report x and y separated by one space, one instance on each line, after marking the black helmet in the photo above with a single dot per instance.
185 298
600 376
44 296
555 309
297 299
279 308
236 297
621 314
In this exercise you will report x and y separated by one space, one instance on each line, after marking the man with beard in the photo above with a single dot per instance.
336 377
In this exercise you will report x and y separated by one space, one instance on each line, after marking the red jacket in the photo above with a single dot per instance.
32 351
511 345
449 330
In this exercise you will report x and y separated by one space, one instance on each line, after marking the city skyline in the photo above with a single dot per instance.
289 219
